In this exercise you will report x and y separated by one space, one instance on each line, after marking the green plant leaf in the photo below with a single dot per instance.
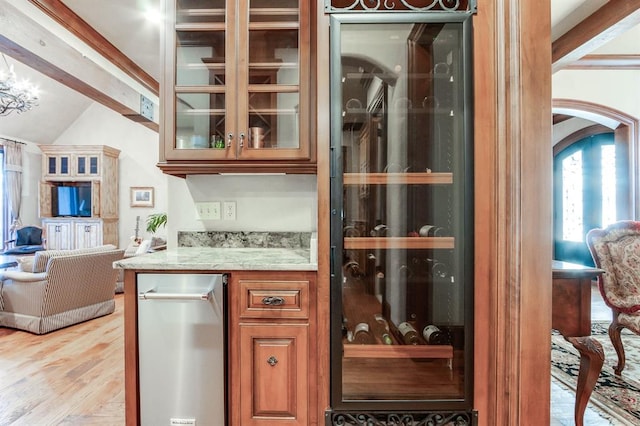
155 221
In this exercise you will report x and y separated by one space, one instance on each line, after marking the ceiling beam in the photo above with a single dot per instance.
66 17
606 62
602 26
28 42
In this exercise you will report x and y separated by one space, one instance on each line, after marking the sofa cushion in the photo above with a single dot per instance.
42 257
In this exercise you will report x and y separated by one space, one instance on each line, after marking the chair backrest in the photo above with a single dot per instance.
29 236
616 250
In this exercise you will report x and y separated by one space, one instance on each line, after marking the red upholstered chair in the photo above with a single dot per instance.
616 250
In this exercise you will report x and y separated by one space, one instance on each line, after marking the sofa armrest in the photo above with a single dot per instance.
22 276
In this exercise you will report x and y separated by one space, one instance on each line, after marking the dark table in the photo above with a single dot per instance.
572 318
8 261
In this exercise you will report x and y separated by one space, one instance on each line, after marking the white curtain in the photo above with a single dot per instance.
13 180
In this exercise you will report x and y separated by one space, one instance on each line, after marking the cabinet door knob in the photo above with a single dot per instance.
273 301
229 139
241 139
272 360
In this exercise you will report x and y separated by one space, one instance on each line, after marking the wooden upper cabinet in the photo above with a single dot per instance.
236 87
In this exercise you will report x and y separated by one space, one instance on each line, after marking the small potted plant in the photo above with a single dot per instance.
154 222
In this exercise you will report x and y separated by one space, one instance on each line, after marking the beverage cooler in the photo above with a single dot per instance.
401 219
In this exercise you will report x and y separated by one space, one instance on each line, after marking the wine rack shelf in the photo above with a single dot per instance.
397 178
397 351
356 243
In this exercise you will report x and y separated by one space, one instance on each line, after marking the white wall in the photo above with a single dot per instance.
618 89
99 125
263 203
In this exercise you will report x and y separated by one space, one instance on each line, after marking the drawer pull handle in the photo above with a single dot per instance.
272 361
273 301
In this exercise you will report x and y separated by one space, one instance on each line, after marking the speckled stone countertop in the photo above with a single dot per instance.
222 259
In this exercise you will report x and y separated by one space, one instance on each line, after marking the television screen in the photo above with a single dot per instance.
71 201
84 201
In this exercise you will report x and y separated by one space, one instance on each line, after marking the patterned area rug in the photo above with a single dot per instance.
617 397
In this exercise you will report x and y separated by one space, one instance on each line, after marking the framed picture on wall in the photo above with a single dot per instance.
142 196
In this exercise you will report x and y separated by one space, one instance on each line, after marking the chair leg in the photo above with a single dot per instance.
616 340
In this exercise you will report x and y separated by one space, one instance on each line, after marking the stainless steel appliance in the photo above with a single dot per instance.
182 349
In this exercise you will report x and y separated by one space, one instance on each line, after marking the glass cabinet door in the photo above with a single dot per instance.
237 73
200 81
269 108
401 227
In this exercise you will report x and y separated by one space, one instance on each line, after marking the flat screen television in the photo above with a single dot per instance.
74 201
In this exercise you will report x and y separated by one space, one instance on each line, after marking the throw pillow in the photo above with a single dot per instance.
25 264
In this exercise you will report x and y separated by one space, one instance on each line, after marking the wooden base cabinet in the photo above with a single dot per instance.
273 371
271 363
67 234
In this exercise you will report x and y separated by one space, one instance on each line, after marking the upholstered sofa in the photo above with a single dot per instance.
61 288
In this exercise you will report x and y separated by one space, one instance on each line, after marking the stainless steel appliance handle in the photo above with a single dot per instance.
152 295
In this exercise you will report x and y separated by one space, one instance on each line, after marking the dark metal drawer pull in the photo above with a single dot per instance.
272 361
273 301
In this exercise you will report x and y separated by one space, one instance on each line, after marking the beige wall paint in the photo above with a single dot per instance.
99 125
603 87
264 202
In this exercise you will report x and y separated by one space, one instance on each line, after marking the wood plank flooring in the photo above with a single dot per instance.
75 376
72 376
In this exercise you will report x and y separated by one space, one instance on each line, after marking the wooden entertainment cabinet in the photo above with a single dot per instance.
89 166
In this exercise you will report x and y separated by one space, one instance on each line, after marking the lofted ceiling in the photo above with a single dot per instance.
123 24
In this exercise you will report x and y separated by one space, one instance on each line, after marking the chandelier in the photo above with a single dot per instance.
15 95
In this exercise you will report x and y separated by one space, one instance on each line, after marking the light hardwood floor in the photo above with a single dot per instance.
75 376
72 376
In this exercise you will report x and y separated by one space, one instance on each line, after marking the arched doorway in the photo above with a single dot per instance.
595 178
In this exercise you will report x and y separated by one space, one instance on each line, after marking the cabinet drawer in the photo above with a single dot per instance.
274 299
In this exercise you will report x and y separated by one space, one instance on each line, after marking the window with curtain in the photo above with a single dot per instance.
4 221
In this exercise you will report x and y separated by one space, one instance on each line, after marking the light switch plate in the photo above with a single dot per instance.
208 210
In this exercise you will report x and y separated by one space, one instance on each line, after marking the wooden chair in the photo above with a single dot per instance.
28 240
616 250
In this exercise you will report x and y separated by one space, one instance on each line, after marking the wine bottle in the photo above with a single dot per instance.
436 268
409 334
381 329
434 336
362 335
379 230
432 231
353 268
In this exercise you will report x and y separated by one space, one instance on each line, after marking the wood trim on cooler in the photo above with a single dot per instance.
512 214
